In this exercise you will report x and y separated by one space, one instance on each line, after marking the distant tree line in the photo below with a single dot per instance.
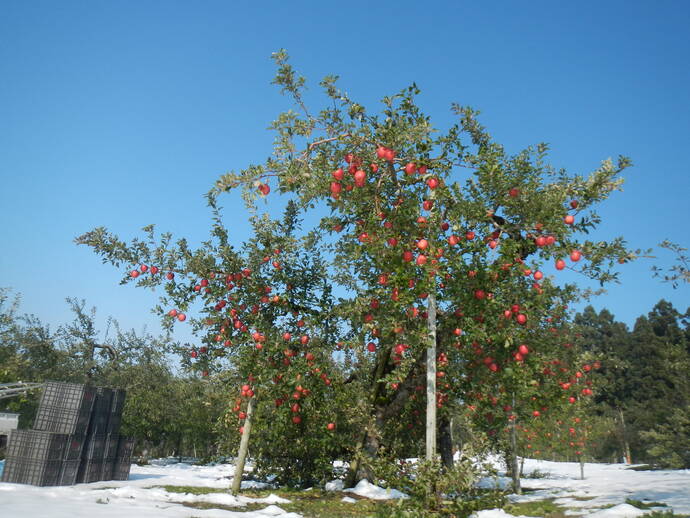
645 385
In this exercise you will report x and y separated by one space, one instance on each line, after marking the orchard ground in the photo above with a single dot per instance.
186 491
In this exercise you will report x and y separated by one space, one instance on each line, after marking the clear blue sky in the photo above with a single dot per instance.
122 114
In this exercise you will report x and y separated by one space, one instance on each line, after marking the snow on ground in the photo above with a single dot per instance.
601 495
605 485
369 490
495 513
139 497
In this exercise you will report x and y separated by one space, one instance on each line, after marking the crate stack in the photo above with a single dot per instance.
75 439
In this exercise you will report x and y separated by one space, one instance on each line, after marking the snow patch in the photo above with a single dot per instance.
494 513
618 511
334 485
367 489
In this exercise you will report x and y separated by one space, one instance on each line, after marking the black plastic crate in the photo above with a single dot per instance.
74 447
107 470
114 424
94 447
103 401
58 420
121 469
69 472
100 414
111 442
125 447
32 471
118 402
65 408
90 471
36 445
67 395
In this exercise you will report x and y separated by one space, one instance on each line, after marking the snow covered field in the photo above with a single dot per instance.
142 496
605 485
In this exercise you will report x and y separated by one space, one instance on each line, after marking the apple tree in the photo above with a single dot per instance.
431 231
439 243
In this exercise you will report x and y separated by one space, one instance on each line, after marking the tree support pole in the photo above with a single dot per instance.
515 470
244 447
431 378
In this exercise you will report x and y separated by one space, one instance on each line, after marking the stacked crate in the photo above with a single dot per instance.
75 439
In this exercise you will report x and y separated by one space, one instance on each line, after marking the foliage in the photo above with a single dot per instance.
679 273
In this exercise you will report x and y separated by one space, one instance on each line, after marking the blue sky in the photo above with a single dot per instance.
122 114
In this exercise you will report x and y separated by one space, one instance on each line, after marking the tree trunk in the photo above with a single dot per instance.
582 468
624 437
244 447
514 470
351 478
431 378
445 442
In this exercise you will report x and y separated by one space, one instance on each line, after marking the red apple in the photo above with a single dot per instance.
360 178
432 182
336 188
410 168
338 174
